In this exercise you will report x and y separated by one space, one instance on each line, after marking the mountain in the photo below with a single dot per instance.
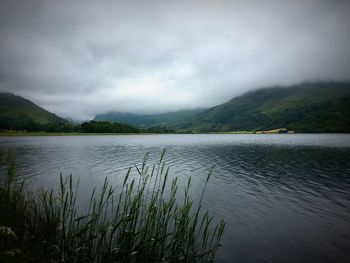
17 113
176 119
305 107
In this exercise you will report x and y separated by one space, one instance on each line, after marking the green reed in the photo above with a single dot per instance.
141 222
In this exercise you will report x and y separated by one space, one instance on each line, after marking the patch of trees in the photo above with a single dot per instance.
159 129
86 127
107 127
31 126
115 127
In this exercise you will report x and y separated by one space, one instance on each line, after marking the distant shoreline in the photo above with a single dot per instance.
14 134
44 134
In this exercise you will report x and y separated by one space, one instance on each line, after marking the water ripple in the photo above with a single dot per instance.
285 198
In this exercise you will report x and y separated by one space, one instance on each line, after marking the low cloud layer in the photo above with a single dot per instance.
80 58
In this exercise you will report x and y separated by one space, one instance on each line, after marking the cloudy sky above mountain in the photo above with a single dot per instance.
80 58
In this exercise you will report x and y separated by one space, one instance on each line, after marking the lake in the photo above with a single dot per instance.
285 198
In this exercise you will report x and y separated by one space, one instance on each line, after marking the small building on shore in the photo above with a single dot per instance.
275 131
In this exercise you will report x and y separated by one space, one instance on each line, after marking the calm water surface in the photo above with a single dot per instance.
285 198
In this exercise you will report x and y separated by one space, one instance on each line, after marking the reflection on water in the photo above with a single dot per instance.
285 198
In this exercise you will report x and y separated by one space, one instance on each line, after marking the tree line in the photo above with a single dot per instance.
86 127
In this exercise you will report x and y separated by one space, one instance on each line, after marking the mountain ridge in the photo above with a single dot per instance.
299 107
149 120
276 107
304 107
18 113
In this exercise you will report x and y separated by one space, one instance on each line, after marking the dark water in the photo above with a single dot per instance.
285 198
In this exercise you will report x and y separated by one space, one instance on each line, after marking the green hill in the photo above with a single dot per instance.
176 119
306 107
17 113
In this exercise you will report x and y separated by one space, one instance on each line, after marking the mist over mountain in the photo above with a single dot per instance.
305 107
169 119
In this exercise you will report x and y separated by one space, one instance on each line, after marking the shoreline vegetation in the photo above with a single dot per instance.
25 133
44 133
141 222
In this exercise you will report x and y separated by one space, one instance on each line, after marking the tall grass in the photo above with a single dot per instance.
142 222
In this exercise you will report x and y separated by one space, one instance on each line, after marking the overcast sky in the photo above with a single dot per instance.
80 58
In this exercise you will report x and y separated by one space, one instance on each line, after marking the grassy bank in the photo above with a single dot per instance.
19 133
24 133
142 222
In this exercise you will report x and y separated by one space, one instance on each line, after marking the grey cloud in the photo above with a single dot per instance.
80 58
